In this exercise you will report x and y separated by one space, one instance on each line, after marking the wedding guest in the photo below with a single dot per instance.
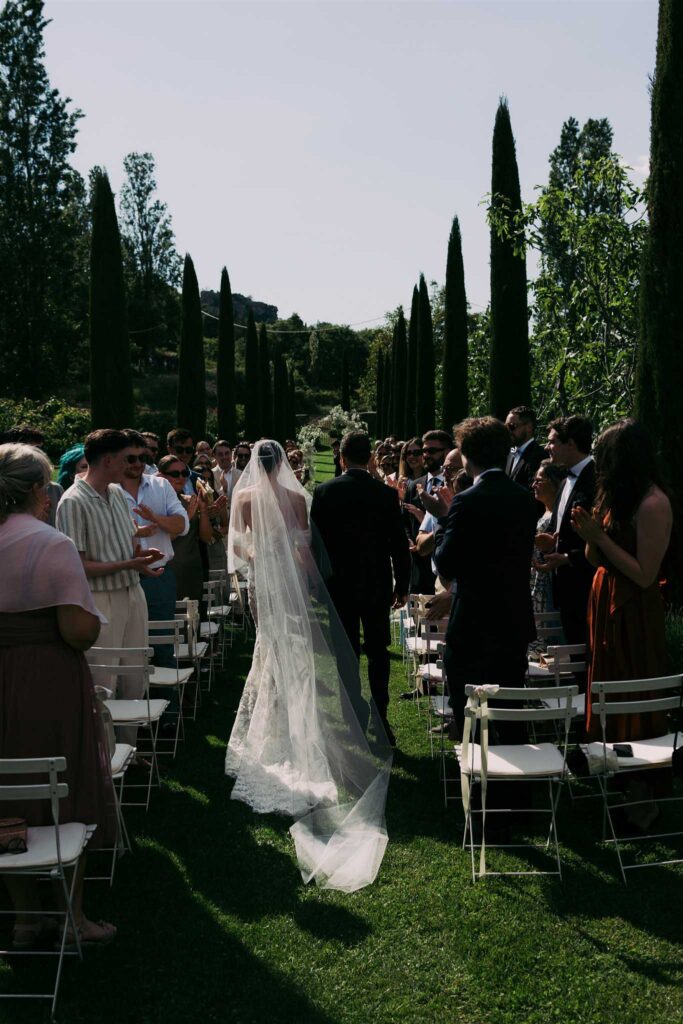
189 567
411 462
24 433
152 442
242 455
203 448
47 701
180 444
435 446
94 514
161 517
217 507
335 457
485 548
546 484
569 445
222 453
526 454
627 537
71 464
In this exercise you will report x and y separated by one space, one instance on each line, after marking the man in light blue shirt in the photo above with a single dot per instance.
159 516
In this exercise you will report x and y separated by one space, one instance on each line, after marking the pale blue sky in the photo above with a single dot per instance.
320 149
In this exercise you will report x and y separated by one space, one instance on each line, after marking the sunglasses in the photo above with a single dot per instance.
185 449
132 459
176 473
242 458
415 452
433 451
152 448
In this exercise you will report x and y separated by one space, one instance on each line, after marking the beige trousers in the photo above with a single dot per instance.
127 626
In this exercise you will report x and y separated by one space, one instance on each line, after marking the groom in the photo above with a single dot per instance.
360 525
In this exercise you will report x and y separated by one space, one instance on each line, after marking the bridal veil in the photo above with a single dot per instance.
307 740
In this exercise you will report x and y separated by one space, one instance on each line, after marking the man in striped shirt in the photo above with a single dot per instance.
95 515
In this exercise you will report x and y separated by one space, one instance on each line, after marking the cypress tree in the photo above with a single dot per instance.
400 369
509 380
454 397
425 362
379 402
252 415
191 404
292 402
225 366
111 381
265 389
391 416
386 395
411 376
660 369
345 382
280 387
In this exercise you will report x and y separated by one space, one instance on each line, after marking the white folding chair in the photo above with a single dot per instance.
512 762
192 650
143 712
169 633
615 698
221 610
52 850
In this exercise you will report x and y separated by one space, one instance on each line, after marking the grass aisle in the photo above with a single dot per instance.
216 925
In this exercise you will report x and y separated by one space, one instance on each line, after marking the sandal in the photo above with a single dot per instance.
90 933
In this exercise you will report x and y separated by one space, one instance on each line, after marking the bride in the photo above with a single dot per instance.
299 745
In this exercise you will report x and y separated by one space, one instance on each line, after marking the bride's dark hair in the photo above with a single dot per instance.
270 455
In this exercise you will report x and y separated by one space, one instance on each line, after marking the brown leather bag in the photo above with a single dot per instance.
12 835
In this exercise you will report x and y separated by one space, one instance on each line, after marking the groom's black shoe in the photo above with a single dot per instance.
390 733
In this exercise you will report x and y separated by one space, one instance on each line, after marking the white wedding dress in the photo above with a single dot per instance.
297 746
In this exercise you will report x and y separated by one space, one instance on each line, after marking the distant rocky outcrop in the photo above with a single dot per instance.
263 312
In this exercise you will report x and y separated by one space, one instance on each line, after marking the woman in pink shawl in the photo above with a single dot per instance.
47 700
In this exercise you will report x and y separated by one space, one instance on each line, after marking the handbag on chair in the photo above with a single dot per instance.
13 835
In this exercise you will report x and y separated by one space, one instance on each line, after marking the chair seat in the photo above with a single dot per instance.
522 759
199 648
654 753
418 645
121 758
42 847
129 712
219 611
431 672
208 629
169 676
441 707
536 671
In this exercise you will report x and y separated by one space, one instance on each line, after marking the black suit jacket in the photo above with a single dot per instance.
529 461
572 583
486 548
359 522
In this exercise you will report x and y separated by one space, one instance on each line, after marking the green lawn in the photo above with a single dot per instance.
216 925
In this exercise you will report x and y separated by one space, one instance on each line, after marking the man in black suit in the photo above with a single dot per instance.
569 443
436 445
359 522
485 549
526 454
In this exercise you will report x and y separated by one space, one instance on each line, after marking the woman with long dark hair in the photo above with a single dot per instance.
411 463
627 537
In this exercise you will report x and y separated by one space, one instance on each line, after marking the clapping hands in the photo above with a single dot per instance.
439 501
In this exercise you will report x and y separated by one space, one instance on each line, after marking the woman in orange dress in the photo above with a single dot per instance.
627 536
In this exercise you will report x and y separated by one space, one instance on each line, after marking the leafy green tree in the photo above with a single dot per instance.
191 404
510 376
585 295
252 398
386 394
411 376
425 362
660 368
345 382
225 365
292 425
154 265
265 387
454 394
43 216
111 385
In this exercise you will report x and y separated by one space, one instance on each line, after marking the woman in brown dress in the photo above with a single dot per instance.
47 700
627 537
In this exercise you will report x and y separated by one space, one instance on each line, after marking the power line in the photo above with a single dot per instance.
305 330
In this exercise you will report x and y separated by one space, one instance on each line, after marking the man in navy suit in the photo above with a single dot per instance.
485 548
359 521
526 454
